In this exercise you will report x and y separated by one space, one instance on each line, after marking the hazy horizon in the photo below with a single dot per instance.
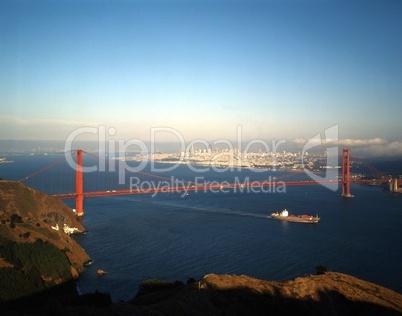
48 146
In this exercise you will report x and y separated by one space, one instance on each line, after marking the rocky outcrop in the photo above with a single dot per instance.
331 293
34 225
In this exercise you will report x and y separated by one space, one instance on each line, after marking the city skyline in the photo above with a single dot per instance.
281 70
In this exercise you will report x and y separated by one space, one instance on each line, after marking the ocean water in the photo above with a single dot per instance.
173 236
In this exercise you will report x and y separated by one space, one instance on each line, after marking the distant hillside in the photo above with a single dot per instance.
36 251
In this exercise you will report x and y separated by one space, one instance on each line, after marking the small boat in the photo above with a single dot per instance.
284 216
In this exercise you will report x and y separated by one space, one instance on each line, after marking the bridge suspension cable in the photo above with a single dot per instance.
370 167
102 184
43 169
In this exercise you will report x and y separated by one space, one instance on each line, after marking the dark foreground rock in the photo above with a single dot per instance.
331 293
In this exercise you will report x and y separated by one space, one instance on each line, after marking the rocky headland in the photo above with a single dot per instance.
37 252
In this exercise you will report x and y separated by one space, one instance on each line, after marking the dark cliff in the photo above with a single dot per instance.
36 250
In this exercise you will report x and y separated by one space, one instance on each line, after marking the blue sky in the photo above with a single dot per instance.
280 69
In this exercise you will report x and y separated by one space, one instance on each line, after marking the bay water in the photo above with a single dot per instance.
175 236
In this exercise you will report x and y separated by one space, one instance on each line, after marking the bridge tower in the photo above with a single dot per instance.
346 173
79 186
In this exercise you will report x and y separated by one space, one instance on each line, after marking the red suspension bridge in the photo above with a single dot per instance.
72 185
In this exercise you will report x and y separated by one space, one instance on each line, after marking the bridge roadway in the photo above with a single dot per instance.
211 187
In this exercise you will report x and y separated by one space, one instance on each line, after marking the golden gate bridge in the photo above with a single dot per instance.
72 183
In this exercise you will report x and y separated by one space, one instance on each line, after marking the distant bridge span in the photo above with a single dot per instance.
79 194
205 188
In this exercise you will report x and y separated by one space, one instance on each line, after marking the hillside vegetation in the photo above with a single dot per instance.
36 253
330 293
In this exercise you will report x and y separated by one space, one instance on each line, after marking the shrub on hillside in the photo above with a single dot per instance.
191 280
153 285
32 262
321 269
16 218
